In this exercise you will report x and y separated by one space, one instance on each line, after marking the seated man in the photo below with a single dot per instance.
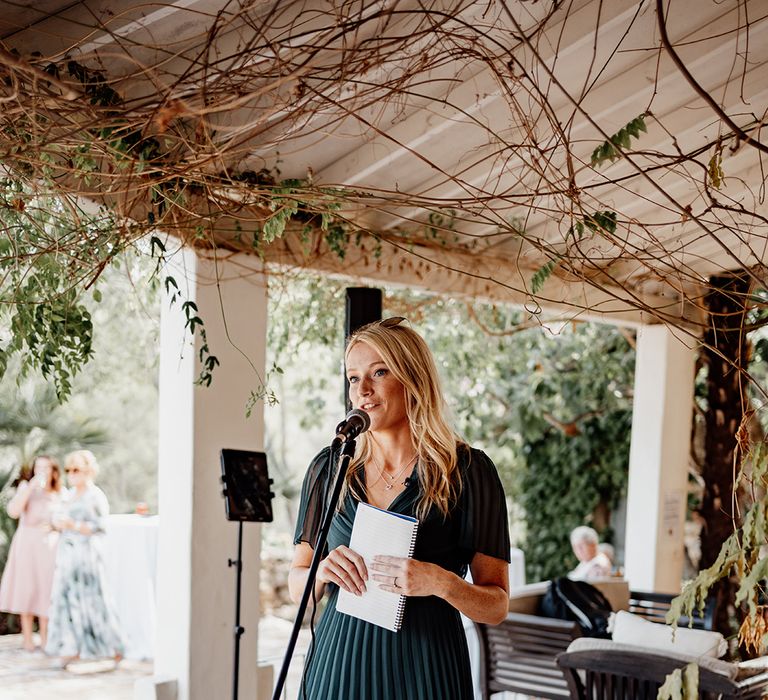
593 564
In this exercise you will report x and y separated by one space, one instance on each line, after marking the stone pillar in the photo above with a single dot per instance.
658 460
195 587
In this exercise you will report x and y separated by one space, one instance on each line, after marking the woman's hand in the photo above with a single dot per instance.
407 576
66 524
345 568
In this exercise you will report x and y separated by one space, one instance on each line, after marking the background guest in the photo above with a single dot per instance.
610 553
593 564
26 585
83 622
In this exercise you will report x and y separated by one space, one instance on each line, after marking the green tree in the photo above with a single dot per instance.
32 422
550 403
113 407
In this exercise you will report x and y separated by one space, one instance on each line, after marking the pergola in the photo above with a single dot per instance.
584 160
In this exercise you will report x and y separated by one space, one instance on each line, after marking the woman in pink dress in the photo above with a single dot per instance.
26 585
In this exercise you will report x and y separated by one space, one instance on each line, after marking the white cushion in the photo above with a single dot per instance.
635 630
760 663
753 667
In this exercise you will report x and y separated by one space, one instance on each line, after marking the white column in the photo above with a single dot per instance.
658 460
195 587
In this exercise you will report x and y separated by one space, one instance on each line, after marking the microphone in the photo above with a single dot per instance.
357 421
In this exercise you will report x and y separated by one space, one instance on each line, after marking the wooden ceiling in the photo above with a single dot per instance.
461 133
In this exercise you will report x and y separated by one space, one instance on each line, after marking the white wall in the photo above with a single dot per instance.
196 588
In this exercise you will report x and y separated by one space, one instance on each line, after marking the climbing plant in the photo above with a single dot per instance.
552 404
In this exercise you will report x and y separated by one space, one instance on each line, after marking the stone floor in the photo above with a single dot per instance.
274 633
34 676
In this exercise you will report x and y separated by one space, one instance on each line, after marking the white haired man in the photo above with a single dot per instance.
593 564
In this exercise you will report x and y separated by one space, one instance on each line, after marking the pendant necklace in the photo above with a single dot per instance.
385 476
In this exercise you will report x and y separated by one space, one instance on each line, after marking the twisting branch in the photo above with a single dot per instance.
721 113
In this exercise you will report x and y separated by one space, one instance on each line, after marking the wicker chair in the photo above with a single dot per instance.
611 671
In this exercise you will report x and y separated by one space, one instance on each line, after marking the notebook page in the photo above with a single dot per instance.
377 532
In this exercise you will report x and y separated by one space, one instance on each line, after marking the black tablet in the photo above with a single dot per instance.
246 486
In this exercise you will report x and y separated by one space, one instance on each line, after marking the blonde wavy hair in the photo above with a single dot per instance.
85 459
408 357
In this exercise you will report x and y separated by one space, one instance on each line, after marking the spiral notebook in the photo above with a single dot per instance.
376 531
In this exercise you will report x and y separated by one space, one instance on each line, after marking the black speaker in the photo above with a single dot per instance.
363 306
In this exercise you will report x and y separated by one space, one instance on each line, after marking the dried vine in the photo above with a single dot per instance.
219 133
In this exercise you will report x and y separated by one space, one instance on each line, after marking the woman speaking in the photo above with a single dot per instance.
409 462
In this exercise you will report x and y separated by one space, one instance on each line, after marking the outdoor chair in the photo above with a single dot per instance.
654 607
597 669
519 655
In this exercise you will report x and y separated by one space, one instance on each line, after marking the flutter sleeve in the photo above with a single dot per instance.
97 517
19 501
313 496
484 523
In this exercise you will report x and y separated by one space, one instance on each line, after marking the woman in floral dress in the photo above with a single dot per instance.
83 623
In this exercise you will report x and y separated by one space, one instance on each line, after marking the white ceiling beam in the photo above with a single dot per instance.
472 276
143 24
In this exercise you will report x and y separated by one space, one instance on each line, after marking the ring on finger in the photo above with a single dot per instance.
394 582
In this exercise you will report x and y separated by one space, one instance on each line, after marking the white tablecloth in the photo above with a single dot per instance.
130 560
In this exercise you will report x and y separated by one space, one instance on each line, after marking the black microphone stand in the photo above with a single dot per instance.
239 629
330 509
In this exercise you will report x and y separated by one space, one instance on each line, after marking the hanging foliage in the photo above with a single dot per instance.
622 139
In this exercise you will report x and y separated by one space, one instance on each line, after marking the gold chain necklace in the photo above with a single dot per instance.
385 476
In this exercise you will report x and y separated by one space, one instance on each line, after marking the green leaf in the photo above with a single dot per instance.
155 242
622 138
541 275
274 226
681 684
170 282
694 593
751 584
601 222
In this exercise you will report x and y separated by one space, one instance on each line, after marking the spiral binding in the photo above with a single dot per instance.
401 602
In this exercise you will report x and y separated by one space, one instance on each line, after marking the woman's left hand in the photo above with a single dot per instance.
406 576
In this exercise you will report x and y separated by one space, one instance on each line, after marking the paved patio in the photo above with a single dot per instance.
273 639
34 676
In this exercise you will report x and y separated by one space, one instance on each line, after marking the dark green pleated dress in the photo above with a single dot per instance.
427 659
